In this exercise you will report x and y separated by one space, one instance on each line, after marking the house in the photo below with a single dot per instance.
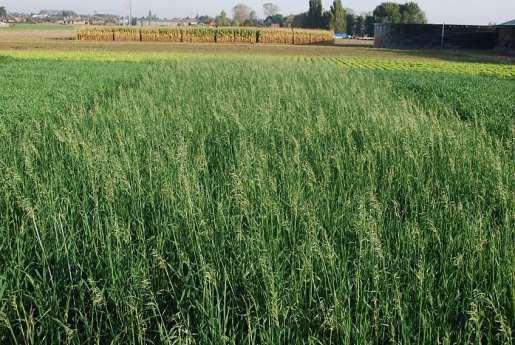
161 23
172 22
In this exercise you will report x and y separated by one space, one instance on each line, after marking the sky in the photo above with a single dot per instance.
480 12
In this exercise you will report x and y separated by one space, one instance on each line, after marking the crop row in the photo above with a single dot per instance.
484 69
207 35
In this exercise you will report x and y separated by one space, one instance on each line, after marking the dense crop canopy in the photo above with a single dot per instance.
254 200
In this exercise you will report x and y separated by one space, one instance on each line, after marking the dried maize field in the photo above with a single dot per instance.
207 35
161 198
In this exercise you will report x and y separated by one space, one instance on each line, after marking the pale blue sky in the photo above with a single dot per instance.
438 11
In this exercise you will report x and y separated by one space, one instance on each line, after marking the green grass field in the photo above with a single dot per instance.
39 27
202 199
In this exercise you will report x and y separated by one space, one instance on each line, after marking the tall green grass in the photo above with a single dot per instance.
253 201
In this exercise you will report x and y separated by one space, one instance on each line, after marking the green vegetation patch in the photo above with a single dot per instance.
252 200
435 66
40 27
358 60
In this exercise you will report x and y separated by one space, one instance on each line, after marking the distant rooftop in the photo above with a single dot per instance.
511 22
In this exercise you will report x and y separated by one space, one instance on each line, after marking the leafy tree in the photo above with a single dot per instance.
315 13
411 13
351 24
325 22
205 19
338 21
252 21
300 20
3 12
369 25
393 13
388 12
222 19
69 14
275 19
270 9
241 13
360 26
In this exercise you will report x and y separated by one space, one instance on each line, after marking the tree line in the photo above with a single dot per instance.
342 19
337 17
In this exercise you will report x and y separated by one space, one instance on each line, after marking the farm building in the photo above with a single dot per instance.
437 36
506 43
511 22
171 23
430 36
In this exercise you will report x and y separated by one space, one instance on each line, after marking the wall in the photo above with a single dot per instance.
506 43
429 36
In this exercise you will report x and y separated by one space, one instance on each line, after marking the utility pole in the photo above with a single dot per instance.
130 12
443 37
